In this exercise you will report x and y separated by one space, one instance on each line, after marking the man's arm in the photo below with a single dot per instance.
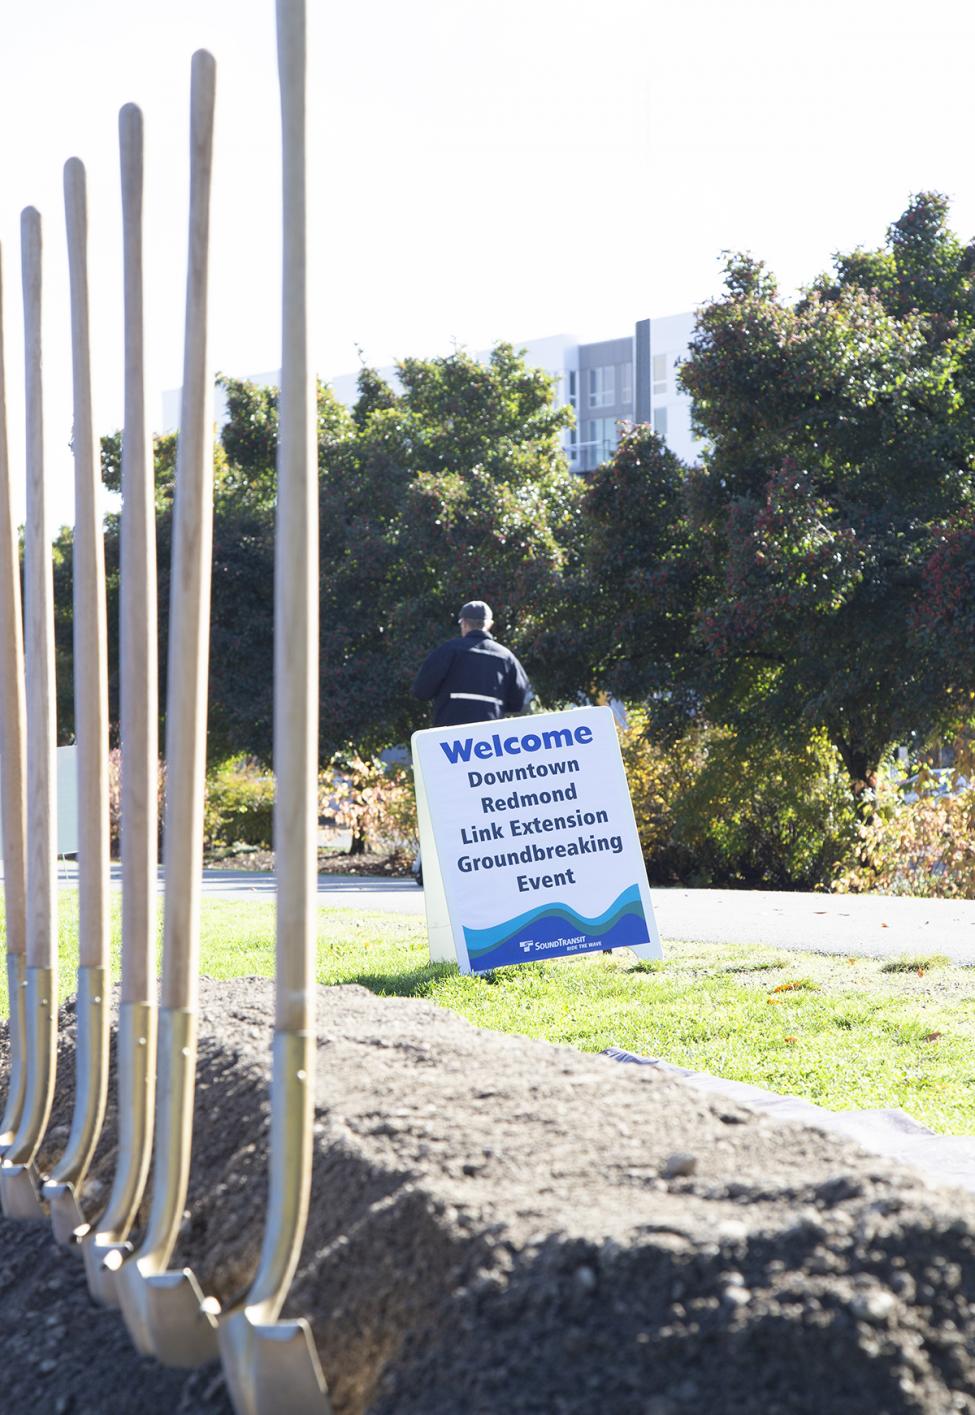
432 673
517 688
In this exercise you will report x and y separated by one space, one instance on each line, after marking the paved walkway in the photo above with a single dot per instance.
873 925
870 924
400 896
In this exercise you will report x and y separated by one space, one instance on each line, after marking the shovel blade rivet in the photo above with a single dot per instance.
302 1075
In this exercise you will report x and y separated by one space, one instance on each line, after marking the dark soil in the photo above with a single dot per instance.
499 1225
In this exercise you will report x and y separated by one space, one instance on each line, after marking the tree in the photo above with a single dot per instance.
629 595
164 457
453 488
241 684
945 618
841 432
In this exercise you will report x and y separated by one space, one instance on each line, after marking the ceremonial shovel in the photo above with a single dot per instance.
18 1177
273 1366
13 769
164 1310
62 1190
136 1042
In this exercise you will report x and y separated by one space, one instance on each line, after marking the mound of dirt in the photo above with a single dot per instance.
502 1225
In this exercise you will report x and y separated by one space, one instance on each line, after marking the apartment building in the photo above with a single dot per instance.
631 379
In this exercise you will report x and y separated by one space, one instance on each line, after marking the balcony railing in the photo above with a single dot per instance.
587 456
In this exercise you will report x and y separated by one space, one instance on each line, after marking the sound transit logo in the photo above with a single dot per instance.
541 945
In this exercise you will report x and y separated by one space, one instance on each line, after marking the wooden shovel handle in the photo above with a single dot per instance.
296 566
13 761
90 620
139 663
189 614
39 597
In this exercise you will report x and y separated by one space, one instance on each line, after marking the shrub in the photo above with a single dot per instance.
773 817
657 776
711 811
239 804
924 847
372 798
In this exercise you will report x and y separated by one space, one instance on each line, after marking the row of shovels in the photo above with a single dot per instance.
270 1365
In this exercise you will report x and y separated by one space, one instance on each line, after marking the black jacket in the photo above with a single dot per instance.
472 679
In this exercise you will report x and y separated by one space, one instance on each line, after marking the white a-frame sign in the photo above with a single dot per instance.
528 841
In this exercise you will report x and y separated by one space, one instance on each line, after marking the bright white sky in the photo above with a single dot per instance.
480 170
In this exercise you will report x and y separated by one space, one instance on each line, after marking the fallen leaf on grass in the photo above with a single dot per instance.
920 972
774 1001
790 1041
885 926
787 987
851 961
933 1036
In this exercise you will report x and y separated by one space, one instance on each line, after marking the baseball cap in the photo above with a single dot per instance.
475 611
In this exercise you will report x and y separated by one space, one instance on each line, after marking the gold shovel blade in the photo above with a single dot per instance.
164 1309
270 1367
20 1193
167 1315
66 1215
105 1244
65 1183
102 1262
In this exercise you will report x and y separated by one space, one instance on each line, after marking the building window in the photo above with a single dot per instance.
602 386
599 441
660 373
626 383
660 422
572 386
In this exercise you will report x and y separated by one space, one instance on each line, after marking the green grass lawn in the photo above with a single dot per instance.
844 1032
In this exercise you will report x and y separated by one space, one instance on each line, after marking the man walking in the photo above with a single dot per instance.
472 678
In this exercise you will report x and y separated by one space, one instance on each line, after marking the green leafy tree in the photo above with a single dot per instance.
630 590
840 432
241 687
164 454
456 486
945 619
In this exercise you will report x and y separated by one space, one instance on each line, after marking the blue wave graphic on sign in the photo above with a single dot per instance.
554 930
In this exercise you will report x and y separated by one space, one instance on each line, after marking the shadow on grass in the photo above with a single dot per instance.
921 964
754 967
412 982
